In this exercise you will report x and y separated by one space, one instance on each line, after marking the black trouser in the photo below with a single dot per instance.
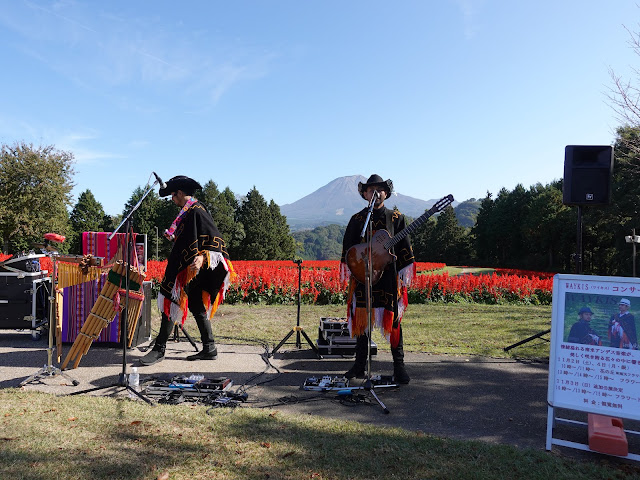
199 312
361 350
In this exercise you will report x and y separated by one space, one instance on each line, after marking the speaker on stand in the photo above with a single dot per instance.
588 172
587 181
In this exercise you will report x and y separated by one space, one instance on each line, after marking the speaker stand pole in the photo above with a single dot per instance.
579 243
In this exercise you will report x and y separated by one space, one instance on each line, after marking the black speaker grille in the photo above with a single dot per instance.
587 175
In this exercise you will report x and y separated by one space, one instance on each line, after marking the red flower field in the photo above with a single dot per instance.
276 282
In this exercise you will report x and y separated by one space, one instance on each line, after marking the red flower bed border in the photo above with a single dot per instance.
276 282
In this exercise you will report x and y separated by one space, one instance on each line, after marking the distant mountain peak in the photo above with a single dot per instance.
338 200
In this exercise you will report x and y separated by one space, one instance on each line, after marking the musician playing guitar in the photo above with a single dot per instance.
389 298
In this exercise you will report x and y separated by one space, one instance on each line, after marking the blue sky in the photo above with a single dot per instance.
448 96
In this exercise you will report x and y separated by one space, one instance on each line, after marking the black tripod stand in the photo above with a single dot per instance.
49 370
123 378
297 329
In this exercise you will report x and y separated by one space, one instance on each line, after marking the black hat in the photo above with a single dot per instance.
186 184
585 310
375 180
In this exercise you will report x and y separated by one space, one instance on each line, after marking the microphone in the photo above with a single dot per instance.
374 197
162 184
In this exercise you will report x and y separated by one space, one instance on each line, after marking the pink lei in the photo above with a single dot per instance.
170 232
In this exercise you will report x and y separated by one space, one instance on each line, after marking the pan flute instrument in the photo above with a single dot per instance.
110 301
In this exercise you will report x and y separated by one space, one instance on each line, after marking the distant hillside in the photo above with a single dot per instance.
321 243
325 242
467 212
338 200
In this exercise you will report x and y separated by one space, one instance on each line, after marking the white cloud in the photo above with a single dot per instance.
469 10
118 52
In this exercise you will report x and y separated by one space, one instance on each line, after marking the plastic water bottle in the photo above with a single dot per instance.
134 379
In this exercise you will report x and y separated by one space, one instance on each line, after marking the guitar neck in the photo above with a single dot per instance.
417 223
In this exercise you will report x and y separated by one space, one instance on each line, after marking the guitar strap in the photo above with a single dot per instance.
390 229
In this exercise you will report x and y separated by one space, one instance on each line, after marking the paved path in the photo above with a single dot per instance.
493 400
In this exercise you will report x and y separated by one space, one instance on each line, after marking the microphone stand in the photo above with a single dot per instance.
123 378
297 329
367 232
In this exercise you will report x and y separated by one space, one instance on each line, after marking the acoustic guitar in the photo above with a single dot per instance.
381 245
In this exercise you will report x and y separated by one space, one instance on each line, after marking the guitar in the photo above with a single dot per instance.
381 245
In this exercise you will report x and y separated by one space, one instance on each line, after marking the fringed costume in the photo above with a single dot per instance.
195 233
189 285
389 299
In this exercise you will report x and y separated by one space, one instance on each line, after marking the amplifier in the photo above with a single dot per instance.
24 300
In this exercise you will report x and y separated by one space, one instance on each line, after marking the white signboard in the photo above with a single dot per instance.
594 365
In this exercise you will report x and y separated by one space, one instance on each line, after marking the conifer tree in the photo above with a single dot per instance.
87 216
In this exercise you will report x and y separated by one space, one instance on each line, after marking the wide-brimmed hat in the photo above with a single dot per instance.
373 181
584 310
186 184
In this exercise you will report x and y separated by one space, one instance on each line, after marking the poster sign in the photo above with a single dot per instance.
594 364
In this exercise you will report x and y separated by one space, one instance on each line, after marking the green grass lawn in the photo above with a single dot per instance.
85 437
452 329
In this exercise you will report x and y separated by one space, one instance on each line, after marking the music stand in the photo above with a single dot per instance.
297 329
367 231
123 378
49 370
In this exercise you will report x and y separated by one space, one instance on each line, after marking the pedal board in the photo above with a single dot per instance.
195 386
325 383
340 384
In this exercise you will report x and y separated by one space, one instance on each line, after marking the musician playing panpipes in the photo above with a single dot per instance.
389 299
198 271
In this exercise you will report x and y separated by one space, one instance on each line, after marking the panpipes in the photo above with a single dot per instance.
110 301
71 274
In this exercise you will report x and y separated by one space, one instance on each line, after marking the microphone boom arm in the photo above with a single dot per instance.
135 207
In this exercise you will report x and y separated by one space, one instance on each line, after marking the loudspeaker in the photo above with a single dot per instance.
587 174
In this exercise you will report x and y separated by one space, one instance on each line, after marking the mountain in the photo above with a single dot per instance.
338 200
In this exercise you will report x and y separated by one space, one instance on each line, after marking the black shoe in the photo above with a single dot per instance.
204 355
355 372
153 357
400 375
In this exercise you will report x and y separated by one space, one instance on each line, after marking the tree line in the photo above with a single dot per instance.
521 228
528 229
35 198
532 229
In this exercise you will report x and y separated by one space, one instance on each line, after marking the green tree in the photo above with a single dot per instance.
223 207
254 215
282 245
35 192
87 216
485 232
321 243
266 232
146 218
448 238
604 227
423 242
